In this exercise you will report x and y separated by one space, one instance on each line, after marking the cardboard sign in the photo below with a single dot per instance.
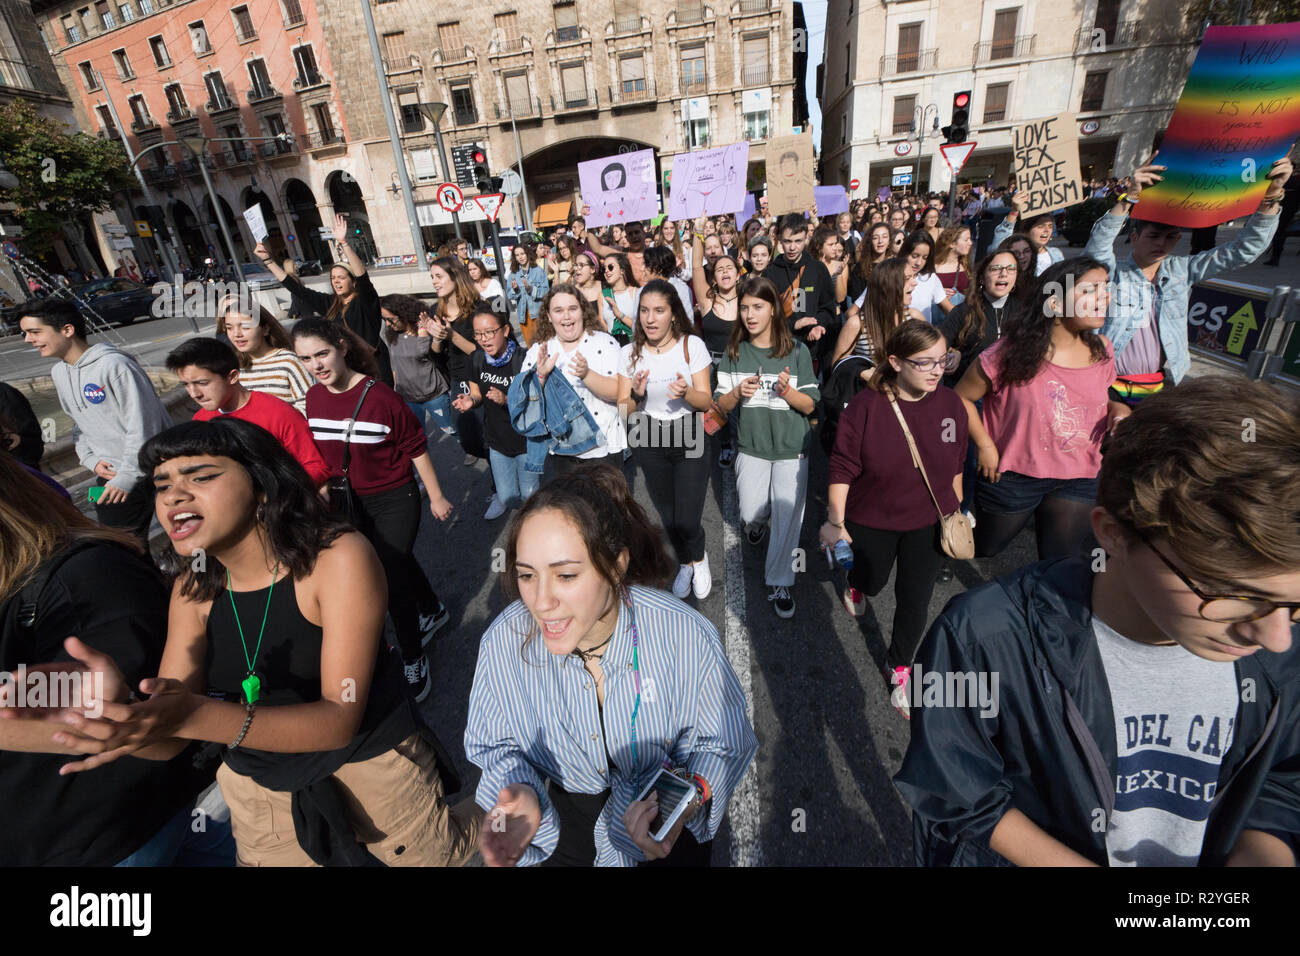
709 182
830 200
790 168
1239 112
1045 160
619 188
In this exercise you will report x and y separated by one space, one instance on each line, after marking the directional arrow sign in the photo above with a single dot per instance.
956 154
490 203
1243 323
450 197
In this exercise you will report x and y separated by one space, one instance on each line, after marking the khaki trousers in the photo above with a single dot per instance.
395 802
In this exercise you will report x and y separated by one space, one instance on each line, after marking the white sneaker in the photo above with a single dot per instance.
682 583
496 508
703 579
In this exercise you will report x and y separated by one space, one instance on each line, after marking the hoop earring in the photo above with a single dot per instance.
260 514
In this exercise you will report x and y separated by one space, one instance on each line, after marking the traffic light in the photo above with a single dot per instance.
482 175
960 128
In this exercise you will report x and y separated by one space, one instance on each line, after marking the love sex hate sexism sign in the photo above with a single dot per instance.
1046 163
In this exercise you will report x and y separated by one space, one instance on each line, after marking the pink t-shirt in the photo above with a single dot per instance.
1052 425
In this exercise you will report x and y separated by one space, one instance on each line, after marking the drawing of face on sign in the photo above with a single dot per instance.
619 188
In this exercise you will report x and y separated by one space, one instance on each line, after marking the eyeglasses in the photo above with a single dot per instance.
1227 608
947 363
1004 270
484 336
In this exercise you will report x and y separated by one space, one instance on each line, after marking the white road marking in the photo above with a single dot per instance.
743 811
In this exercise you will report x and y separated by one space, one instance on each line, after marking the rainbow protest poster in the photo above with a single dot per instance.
1238 114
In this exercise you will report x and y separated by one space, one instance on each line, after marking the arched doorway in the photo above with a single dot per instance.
552 176
345 197
300 204
275 243
241 250
191 236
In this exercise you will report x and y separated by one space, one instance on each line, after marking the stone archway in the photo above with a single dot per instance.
187 229
345 197
304 216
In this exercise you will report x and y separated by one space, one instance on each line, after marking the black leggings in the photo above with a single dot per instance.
918 557
391 521
677 478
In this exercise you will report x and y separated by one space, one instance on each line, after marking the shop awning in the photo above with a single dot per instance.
552 214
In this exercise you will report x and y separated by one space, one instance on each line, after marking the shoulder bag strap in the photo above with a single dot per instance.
347 435
911 444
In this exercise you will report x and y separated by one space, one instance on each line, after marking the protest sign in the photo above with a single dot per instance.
619 188
830 200
709 182
256 222
748 210
1239 112
883 194
1045 160
790 174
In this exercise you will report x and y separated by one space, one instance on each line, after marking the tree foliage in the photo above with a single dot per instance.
1227 12
62 173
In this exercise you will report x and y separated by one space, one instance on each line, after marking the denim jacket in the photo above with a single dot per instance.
551 418
527 303
1003 232
1131 293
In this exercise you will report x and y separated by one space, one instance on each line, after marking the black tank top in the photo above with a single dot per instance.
289 661
716 333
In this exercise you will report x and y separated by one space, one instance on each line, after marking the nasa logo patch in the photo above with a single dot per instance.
94 393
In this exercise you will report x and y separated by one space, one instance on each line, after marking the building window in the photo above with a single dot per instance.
995 102
70 30
844 128
1004 34
106 120
848 59
627 16
631 70
408 101
909 47
218 98
1107 18
517 96
160 57
507 31
275 127
425 169
199 36
243 24
566 22
573 79
177 107
462 104
1094 91
904 112
756 125
105 15
754 69
234 133
261 80
139 111
146 7
449 40
126 12
88 76
693 69
324 122
305 60
697 132
123 65
396 53
292 12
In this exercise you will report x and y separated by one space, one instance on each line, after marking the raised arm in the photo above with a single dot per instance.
341 237
699 284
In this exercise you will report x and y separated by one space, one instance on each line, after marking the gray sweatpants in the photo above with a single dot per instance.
774 491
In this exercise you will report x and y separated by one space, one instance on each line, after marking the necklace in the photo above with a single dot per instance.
660 348
591 655
252 683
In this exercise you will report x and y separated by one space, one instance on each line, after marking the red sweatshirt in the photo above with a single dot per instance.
283 421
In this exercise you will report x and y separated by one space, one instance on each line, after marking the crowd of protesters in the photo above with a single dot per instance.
945 392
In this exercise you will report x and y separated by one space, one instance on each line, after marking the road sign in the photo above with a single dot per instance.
490 203
142 228
956 154
903 179
450 197
462 160
10 250
512 184
854 184
325 232
290 238
899 170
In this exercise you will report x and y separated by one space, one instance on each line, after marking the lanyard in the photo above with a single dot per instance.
252 683
636 673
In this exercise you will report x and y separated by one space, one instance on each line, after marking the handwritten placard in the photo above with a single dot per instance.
1239 112
709 182
1045 157
790 167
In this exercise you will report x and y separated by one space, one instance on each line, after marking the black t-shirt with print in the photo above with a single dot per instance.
501 435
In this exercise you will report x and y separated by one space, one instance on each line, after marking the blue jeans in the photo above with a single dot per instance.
176 844
514 482
439 409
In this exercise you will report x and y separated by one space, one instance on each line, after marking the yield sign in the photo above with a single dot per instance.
956 154
490 203
450 197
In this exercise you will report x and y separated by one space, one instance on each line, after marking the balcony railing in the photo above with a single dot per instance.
1128 33
178 114
259 93
510 44
690 12
321 140
226 102
908 62
464 117
278 147
755 6
628 24
587 100
453 54
567 34
154 175
237 155
24 76
293 15
622 95
755 75
697 85
520 110
301 82
1017 48
139 125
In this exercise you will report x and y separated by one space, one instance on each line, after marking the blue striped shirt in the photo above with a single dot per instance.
533 715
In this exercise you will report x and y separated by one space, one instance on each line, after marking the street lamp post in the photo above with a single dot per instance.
198 148
918 130
434 113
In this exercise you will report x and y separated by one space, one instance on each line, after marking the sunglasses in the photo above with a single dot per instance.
1227 608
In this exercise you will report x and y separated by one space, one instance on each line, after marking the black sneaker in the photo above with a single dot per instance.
431 622
756 535
417 677
781 600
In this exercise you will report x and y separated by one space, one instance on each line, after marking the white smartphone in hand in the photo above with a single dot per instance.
675 796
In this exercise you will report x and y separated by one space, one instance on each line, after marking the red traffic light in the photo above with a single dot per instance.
480 156
961 99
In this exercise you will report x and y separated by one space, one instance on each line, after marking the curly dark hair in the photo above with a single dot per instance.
291 513
1028 336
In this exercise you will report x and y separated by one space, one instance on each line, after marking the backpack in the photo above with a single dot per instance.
842 385
21 610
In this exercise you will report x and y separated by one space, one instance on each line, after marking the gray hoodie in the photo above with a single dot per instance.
114 408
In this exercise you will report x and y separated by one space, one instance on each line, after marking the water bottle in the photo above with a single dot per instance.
844 555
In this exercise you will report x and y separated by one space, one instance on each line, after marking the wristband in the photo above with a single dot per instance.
702 786
833 524
248 722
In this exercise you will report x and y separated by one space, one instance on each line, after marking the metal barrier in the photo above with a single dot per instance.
1247 327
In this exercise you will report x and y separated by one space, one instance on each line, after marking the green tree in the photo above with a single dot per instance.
62 174
1228 12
